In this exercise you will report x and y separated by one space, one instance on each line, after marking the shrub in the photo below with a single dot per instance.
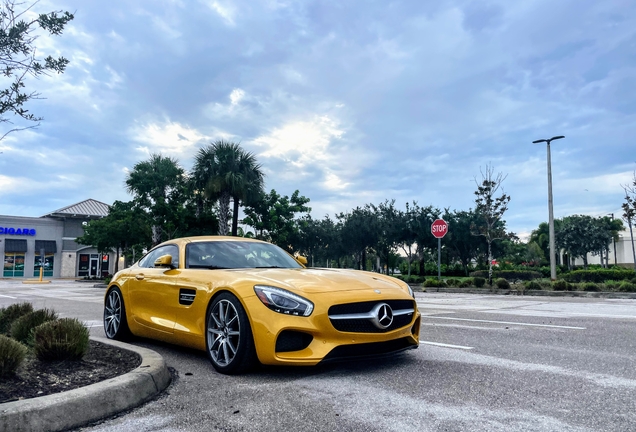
627 287
11 313
479 281
599 275
590 286
533 285
466 283
22 328
11 355
561 285
63 339
509 274
453 282
429 283
502 283
612 285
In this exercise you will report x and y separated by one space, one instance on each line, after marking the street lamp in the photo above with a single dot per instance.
551 213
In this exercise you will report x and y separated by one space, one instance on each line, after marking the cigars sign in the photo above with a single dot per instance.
17 231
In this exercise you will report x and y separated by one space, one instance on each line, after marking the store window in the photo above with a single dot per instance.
49 259
105 265
14 252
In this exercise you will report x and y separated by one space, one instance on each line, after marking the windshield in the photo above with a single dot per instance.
237 254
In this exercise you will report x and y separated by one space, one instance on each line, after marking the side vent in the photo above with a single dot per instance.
186 296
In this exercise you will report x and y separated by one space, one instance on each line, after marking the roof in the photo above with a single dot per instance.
86 208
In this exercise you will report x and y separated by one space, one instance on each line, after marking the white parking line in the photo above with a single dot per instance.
505 322
8 296
446 345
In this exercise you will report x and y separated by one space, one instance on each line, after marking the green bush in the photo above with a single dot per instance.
561 285
509 274
433 282
599 275
63 339
533 285
22 328
453 282
502 283
591 286
11 355
612 285
627 287
479 281
466 283
11 313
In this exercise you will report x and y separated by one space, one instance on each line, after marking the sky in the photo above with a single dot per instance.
349 102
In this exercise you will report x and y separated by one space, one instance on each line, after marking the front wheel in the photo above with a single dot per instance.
115 324
229 342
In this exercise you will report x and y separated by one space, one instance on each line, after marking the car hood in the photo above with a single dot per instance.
319 280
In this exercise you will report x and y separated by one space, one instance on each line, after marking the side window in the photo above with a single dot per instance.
149 260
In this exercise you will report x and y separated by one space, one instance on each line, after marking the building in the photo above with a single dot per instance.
27 242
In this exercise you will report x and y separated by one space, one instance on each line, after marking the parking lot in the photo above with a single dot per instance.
495 363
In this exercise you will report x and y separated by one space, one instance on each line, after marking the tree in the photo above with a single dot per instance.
582 234
225 171
358 232
490 209
629 212
274 217
126 229
390 223
18 36
462 244
159 187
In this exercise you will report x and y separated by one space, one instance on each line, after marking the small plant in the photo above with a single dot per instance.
612 285
590 286
627 287
63 339
466 283
452 282
22 328
11 355
502 283
479 281
533 285
561 285
429 283
11 313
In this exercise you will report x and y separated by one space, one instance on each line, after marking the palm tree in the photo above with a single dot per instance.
158 187
225 171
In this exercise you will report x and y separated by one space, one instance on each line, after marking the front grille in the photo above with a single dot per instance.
362 307
366 326
343 317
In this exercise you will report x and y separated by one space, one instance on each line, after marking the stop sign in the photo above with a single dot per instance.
439 228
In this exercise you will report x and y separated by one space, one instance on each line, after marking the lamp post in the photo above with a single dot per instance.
550 211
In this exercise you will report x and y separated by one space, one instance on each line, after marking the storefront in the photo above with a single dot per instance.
48 242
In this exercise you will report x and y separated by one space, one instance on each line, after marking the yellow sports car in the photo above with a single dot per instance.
245 301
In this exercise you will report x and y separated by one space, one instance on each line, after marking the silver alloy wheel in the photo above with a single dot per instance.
112 314
224 332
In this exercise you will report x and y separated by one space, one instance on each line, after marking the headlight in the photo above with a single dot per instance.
283 301
411 291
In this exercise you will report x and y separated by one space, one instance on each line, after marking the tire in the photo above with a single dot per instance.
229 342
115 324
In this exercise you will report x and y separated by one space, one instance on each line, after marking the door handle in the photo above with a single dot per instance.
139 277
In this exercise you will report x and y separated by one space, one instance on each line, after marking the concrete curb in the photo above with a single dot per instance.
589 294
61 411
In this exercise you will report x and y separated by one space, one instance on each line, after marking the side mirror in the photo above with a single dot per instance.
164 261
301 259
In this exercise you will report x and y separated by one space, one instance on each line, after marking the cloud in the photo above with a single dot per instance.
169 138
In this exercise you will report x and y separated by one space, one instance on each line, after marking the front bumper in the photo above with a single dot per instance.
293 340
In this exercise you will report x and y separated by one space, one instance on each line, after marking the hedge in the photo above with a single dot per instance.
509 274
599 275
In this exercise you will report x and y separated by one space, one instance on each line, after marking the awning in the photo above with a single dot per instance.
49 246
14 245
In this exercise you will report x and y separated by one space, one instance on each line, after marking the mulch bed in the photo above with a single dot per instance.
35 378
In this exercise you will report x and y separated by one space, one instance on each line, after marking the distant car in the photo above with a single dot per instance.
244 301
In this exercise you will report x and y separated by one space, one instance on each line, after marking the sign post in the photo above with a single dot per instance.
439 228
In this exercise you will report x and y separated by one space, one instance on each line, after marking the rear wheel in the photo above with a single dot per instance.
229 342
115 324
